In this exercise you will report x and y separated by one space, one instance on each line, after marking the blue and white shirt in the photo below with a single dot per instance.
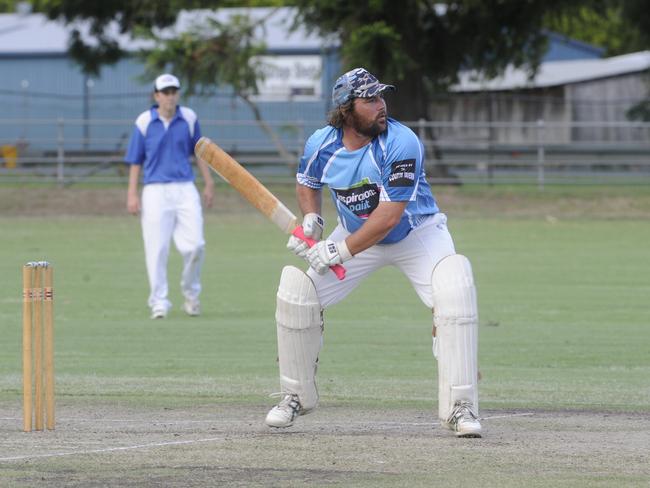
388 169
163 152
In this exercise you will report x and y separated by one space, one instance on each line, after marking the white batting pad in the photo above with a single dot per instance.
300 332
456 320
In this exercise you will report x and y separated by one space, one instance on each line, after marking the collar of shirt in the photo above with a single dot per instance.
155 115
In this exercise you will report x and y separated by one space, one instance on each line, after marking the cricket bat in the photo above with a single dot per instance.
255 192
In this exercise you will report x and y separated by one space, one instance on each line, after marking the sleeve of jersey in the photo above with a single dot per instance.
309 172
135 152
401 169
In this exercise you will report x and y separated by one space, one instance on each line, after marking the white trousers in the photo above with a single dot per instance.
415 256
172 210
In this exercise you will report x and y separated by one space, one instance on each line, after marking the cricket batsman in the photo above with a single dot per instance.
387 215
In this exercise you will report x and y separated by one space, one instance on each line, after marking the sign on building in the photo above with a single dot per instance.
291 78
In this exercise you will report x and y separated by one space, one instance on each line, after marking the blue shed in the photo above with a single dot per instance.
39 84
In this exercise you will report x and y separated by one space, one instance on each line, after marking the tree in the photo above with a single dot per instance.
104 19
422 45
618 27
214 54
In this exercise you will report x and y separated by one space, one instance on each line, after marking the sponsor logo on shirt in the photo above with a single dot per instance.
361 199
402 173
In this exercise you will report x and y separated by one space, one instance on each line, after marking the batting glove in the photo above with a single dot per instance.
312 227
327 253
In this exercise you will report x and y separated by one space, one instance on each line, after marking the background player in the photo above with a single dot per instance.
162 143
374 168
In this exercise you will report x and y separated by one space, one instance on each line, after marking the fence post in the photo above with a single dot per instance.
60 153
540 153
421 130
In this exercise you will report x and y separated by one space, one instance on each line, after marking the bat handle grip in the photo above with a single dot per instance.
337 269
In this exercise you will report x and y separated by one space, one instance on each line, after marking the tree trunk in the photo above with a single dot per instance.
290 159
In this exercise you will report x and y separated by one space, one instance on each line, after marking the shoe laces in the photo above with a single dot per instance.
289 400
462 410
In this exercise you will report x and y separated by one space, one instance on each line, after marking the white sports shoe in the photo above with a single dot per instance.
285 412
158 313
463 421
192 308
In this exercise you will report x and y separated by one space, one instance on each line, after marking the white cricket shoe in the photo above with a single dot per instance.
285 412
463 421
158 313
192 308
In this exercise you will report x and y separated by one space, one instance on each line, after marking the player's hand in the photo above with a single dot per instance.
327 253
208 195
133 204
312 227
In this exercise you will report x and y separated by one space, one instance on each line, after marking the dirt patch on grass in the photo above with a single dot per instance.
335 446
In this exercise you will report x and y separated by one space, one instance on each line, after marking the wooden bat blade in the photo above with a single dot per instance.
246 184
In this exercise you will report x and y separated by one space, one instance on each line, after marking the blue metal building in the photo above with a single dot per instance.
40 84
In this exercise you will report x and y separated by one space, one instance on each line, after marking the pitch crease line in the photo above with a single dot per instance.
507 416
111 449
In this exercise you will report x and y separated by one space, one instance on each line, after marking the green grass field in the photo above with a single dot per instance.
563 316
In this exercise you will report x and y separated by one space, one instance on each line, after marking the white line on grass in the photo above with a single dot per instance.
208 439
507 416
110 449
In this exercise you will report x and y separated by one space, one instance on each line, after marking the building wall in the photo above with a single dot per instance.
609 99
502 117
565 111
99 113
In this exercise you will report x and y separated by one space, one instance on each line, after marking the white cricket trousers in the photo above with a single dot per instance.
416 255
172 210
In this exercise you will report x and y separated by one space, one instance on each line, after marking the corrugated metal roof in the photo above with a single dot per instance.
22 34
556 73
33 33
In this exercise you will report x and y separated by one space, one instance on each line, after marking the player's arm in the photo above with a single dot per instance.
309 199
208 181
399 175
132 197
310 202
135 156
380 222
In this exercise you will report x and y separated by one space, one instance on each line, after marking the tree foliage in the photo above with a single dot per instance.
214 54
617 26
106 18
422 45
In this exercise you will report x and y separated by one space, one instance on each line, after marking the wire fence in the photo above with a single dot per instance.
68 151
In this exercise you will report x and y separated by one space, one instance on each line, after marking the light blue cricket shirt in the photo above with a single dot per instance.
389 168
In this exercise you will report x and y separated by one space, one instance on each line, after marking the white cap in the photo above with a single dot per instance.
166 81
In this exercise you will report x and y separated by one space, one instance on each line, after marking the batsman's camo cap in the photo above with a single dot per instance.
166 81
357 83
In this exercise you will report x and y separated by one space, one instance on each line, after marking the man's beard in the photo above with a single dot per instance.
368 129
